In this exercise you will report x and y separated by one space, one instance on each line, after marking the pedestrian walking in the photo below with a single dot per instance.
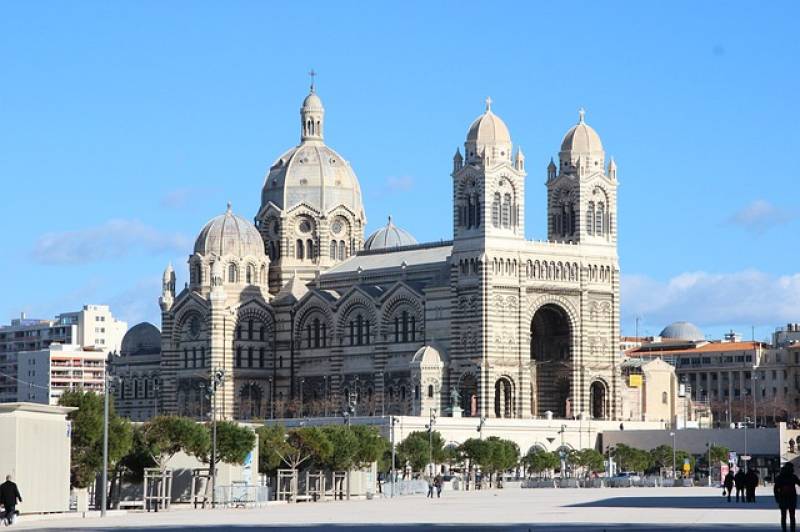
437 482
751 483
9 496
786 495
727 485
739 480
430 487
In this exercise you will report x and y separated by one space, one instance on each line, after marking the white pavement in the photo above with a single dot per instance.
565 510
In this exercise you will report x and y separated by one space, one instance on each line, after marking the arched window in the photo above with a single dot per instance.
470 213
333 250
430 391
507 211
477 210
239 357
231 273
250 357
249 277
299 255
496 210
590 218
342 250
261 357
317 331
198 274
202 356
598 222
310 249
664 397
308 336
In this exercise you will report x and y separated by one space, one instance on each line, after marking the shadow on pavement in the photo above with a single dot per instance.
715 503
437 527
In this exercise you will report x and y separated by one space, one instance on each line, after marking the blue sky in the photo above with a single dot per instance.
125 126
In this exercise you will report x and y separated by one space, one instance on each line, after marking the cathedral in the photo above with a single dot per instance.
305 316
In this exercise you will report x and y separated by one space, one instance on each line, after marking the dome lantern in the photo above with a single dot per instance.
312 115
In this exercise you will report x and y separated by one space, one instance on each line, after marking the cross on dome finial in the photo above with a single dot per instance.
488 103
229 209
581 115
313 75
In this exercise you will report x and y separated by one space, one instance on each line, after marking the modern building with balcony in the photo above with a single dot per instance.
45 374
91 329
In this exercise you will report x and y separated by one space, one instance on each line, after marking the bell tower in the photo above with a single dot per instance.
581 192
488 185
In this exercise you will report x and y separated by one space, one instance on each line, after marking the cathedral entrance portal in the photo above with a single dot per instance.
597 396
551 361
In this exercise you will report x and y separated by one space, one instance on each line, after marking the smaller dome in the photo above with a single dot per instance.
488 128
141 339
581 138
389 236
682 330
228 234
312 101
427 356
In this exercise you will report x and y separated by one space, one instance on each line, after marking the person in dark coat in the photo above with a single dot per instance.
786 495
750 484
739 481
9 495
727 484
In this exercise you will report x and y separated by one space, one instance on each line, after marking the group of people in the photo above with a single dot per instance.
9 497
435 483
745 484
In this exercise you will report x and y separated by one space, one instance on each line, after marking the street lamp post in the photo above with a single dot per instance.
561 452
302 382
216 383
325 393
431 422
394 420
104 474
674 435
755 381
710 443
271 399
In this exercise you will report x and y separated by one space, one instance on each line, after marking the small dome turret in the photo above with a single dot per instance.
581 148
389 236
488 136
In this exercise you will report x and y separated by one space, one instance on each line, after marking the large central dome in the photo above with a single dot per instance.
312 173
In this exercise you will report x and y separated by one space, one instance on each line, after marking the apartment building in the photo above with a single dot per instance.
93 328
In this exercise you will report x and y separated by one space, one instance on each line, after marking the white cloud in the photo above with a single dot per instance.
113 239
744 298
760 216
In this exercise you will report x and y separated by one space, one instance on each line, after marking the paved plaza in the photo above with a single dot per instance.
629 509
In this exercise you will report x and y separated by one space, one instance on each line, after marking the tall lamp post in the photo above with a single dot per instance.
431 423
216 383
394 421
674 437
104 474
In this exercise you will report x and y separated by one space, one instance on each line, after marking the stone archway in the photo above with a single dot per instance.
551 361
598 400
